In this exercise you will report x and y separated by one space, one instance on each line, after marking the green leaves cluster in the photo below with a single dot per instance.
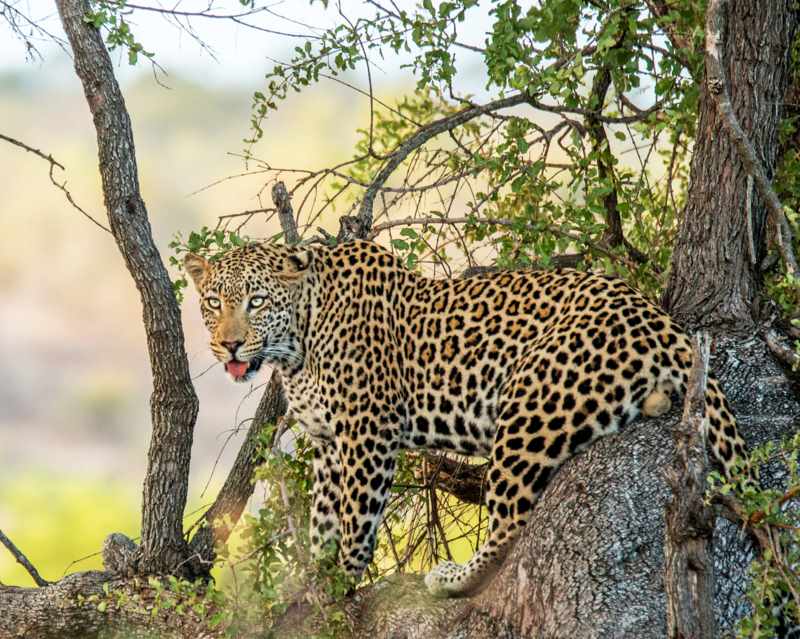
207 242
108 16
775 579
537 171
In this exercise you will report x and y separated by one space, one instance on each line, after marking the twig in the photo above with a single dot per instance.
717 87
53 164
22 559
682 45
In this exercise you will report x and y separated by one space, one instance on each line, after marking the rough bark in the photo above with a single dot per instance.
688 567
69 609
714 279
173 404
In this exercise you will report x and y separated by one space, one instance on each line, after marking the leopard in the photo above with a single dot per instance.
525 368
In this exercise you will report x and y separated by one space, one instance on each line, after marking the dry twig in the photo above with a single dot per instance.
53 164
22 559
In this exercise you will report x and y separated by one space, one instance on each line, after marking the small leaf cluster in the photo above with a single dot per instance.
208 243
774 591
107 15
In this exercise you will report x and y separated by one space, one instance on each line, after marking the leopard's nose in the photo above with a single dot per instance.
232 346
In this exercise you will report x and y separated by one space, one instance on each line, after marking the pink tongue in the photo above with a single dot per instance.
237 369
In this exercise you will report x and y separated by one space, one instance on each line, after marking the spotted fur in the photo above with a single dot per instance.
526 368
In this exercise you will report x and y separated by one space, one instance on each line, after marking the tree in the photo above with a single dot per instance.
592 561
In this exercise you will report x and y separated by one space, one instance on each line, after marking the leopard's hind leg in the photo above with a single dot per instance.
538 428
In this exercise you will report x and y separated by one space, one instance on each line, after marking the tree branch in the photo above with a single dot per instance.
613 235
53 164
780 349
682 46
689 568
23 560
359 226
220 519
457 477
718 88
283 204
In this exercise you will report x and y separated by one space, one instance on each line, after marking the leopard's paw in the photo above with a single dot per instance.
445 580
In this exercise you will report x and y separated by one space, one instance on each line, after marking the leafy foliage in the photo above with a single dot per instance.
548 178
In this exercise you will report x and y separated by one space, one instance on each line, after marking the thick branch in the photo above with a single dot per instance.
458 478
688 566
72 608
220 519
173 402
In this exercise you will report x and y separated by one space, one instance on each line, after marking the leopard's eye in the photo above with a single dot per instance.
256 301
213 303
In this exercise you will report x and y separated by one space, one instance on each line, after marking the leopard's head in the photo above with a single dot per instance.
247 298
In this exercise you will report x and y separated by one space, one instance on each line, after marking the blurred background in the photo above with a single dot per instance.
74 390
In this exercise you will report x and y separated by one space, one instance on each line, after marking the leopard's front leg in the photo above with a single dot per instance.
325 501
367 457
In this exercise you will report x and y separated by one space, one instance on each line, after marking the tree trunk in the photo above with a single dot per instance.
173 404
715 279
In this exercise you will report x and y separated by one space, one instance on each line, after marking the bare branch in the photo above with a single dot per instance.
458 478
233 17
781 350
717 87
23 560
24 28
61 186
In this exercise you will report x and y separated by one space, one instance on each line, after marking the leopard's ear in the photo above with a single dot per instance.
295 265
197 267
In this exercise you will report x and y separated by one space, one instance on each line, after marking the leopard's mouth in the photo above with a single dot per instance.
243 371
